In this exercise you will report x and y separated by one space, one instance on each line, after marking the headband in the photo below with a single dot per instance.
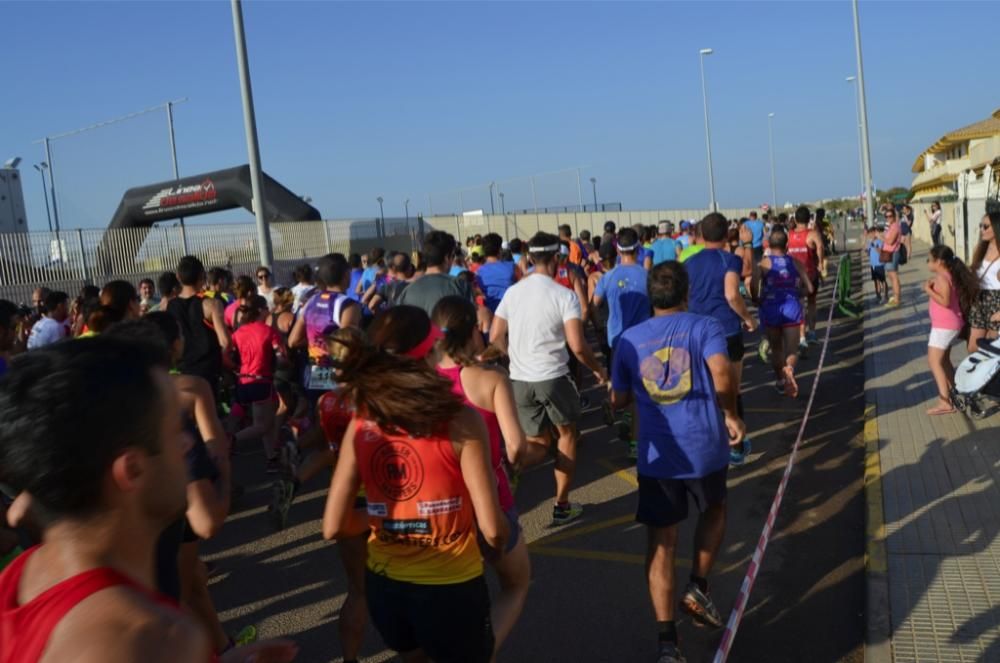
551 248
421 349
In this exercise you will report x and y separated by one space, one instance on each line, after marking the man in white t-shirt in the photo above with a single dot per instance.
303 287
536 320
51 327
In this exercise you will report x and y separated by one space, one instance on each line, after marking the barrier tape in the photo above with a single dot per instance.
736 616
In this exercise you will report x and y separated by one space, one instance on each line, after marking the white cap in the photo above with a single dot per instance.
505 245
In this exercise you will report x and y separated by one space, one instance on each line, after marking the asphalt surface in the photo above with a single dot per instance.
588 600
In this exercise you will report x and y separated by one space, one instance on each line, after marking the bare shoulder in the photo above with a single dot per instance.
120 624
467 424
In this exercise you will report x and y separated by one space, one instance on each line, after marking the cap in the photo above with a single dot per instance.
685 225
505 245
663 228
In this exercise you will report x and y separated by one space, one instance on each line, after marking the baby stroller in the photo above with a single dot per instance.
977 379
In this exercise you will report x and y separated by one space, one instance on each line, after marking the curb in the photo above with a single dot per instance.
878 625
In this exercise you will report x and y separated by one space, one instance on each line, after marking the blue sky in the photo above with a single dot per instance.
402 100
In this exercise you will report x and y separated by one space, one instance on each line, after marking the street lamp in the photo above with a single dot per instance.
41 168
863 114
503 210
857 109
593 184
708 134
492 208
770 144
406 206
381 215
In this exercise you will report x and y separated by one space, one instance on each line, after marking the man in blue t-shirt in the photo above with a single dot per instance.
676 367
494 276
624 287
756 227
665 246
715 292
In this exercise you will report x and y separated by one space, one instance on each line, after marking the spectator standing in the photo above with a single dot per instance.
890 254
984 318
934 219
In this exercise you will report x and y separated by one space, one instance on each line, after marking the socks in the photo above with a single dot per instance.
668 631
701 582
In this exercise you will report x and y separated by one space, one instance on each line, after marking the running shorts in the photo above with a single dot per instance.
736 347
541 405
450 623
664 502
491 554
254 392
785 312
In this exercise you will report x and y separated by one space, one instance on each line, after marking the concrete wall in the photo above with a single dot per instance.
525 225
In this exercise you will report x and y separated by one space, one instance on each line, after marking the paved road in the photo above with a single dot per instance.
588 600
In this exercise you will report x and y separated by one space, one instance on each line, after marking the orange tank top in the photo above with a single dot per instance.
423 525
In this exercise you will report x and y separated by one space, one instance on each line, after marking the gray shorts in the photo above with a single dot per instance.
541 405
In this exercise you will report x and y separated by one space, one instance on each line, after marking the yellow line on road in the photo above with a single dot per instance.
621 473
875 553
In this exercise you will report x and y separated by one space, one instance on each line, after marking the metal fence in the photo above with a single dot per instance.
70 259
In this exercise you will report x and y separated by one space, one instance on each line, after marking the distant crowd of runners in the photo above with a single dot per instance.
424 384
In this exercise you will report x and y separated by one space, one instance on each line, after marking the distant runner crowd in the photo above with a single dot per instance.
423 384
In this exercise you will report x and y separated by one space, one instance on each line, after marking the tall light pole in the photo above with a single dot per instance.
863 110
52 185
492 208
41 168
770 144
593 185
250 127
173 156
861 149
579 191
406 207
381 215
503 210
708 134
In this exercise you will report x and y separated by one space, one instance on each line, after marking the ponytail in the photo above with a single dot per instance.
397 392
965 283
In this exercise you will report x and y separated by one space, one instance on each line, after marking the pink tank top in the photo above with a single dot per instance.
947 317
496 440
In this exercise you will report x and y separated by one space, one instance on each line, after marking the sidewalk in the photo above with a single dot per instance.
933 497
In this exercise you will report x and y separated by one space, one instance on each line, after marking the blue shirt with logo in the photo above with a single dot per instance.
874 247
664 249
707 271
624 288
682 433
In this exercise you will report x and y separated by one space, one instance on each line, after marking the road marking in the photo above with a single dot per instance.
621 473
875 553
574 532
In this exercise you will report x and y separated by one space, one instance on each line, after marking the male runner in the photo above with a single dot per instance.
542 318
435 284
676 366
806 246
665 246
206 339
715 276
92 435
496 275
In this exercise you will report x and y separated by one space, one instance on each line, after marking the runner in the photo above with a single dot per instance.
489 392
676 367
202 324
781 309
806 246
424 460
219 285
715 291
92 432
118 301
599 311
495 276
324 312
665 246
695 242
387 293
245 289
169 288
542 319
259 349
429 289
304 286
624 287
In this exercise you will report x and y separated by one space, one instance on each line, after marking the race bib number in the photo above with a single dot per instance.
321 379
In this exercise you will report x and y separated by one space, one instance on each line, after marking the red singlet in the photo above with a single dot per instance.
798 248
25 629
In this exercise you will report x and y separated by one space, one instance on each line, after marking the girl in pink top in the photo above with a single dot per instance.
951 290
489 392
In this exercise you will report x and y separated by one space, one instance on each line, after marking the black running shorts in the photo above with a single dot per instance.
450 623
735 347
664 502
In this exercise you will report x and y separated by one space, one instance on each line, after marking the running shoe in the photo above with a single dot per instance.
608 414
764 350
811 338
738 455
633 450
779 386
803 349
565 514
670 653
246 636
699 605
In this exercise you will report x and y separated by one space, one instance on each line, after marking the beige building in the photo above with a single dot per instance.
961 171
